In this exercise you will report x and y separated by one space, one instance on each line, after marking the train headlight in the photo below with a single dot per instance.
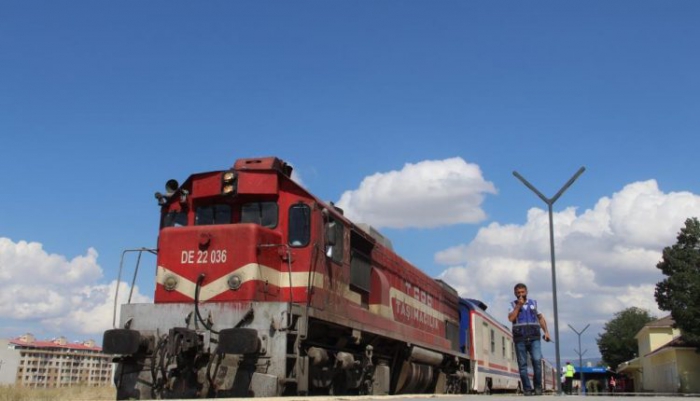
234 282
228 182
170 283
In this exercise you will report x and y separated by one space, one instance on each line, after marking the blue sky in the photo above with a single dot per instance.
413 115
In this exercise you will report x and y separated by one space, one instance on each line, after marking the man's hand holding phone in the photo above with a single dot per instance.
522 300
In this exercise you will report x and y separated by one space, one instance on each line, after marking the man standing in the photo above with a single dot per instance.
569 373
527 321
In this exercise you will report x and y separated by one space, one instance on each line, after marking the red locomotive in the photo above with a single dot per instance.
265 290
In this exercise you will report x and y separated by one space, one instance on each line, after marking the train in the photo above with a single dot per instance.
262 289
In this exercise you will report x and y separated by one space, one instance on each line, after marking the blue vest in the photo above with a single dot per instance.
526 325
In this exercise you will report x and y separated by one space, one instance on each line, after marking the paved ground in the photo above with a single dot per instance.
472 397
506 397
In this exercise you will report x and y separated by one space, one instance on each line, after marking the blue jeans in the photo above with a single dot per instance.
533 348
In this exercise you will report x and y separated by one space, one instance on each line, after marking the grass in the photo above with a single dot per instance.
79 393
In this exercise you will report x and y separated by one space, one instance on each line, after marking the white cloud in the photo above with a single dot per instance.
430 193
92 308
57 294
23 262
31 301
605 257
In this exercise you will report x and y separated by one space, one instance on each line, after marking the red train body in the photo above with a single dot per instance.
264 290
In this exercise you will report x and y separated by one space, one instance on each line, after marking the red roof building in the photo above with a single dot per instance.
58 363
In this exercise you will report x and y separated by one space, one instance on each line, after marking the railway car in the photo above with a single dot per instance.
262 289
489 345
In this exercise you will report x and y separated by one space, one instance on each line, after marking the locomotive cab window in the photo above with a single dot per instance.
360 262
212 214
174 218
262 213
335 234
299 225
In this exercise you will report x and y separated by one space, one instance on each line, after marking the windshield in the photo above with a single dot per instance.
263 213
175 218
212 214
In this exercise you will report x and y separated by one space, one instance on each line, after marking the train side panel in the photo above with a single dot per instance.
491 348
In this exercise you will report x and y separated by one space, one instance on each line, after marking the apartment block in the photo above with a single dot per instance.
54 363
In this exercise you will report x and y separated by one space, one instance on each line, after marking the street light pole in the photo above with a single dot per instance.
550 202
580 357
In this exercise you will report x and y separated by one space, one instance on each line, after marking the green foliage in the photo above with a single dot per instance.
680 291
617 343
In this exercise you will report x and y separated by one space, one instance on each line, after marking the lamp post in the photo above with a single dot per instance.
550 202
580 357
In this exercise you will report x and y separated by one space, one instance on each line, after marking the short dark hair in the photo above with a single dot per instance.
519 285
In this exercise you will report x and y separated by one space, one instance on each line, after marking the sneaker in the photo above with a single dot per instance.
528 393
538 391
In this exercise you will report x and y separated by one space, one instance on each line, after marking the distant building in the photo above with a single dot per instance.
666 364
9 362
26 362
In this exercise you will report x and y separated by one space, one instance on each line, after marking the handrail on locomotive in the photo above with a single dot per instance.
133 280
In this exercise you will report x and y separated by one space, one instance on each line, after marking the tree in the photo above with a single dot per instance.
617 343
680 291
